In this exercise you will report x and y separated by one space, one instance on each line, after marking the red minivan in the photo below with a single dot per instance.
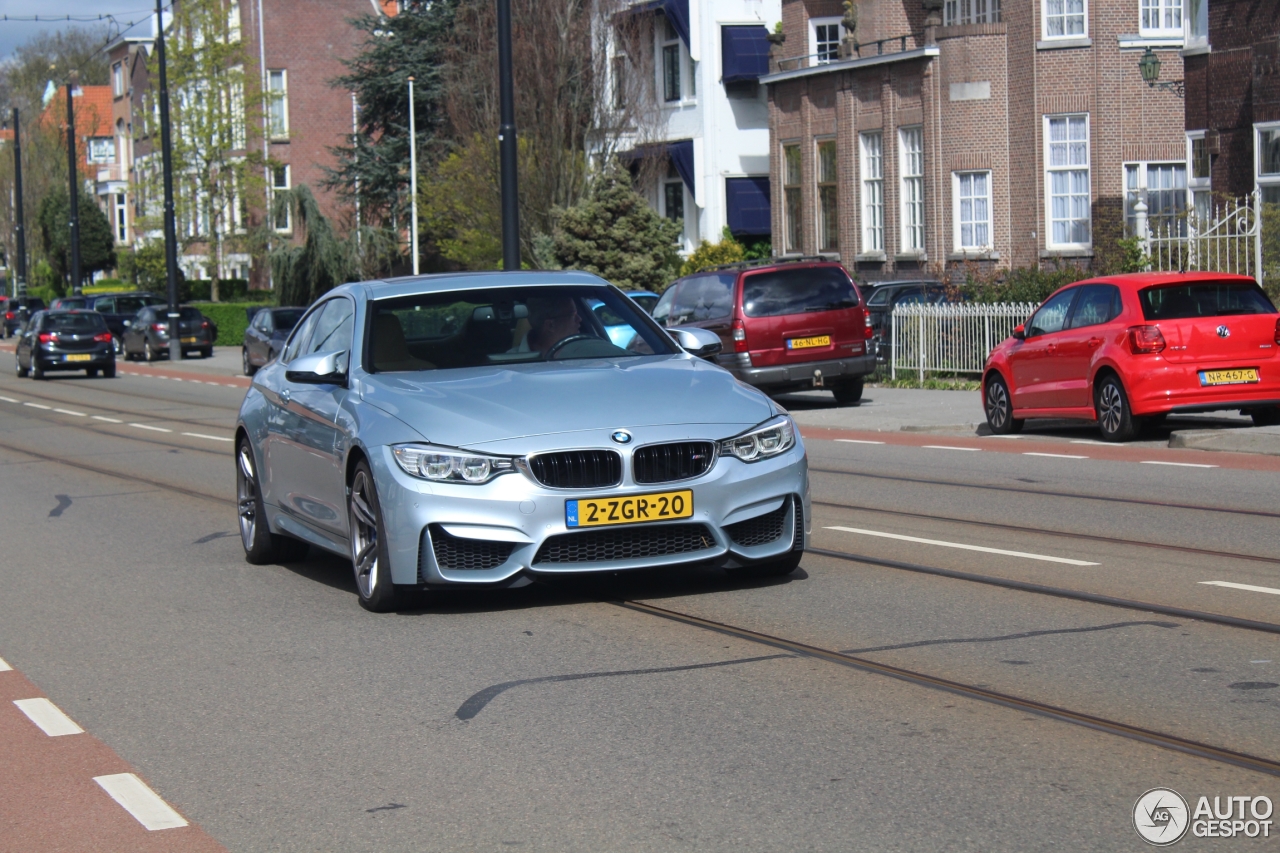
784 325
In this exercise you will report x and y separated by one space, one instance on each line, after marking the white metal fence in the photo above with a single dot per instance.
1228 238
952 338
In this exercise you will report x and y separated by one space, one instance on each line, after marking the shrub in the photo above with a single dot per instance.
709 255
1022 284
231 320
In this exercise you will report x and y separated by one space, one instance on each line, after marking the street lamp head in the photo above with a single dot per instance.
1149 65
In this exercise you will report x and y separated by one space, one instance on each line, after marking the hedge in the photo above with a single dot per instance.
230 318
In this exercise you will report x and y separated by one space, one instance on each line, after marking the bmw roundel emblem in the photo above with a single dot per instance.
621 436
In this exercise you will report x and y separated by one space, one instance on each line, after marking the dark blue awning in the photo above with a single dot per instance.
745 52
680 153
677 12
747 202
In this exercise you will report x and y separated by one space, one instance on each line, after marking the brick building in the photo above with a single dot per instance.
946 131
1232 60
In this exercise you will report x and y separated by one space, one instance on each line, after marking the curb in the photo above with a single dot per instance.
1258 440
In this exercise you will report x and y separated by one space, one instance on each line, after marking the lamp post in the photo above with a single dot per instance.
170 229
73 193
413 176
507 142
20 286
1149 67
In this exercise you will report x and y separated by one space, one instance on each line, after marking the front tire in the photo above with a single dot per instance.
1269 416
1000 408
91 372
249 369
369 560
19 369
1115 418
148 354
261 546
849 392
36 372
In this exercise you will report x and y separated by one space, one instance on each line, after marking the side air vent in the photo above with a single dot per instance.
762 529
453 552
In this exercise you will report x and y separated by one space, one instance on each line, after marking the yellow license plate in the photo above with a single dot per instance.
191 340
628 509
85 357
1229 377
808 343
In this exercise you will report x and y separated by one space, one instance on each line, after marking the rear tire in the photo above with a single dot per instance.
91 372
19 369
1000 408
369 560
207 352
1269 416
261 546
249 369
848 392
1115 418
36 372
109 372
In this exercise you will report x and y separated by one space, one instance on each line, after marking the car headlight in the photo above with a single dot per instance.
450 465
774 436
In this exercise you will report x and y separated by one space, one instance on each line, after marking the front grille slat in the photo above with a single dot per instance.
453 552
665 463
602 546
760 530
577 469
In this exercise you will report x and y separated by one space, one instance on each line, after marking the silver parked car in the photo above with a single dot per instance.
482 430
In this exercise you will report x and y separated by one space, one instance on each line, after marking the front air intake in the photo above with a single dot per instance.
577 469
454 552
606 546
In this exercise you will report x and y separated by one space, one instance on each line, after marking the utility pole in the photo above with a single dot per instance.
413 176
73 178
507 141
21 288
170 230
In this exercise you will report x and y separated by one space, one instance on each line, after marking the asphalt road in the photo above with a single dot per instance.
273 713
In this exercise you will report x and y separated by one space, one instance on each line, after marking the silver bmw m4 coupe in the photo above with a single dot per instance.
484 430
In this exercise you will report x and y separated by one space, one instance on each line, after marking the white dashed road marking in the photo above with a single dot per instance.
858 441
1179 464
8 399
963 546
153 429
48 717
210 437
38 406
108 420
1056 455
4 667
69 412
949 447
1244 586
137 799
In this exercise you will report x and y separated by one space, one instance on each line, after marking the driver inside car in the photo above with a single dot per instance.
551 320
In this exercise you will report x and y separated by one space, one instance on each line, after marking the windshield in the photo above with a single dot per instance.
286 319
797 291
1204 299
74 323
509 325
190 314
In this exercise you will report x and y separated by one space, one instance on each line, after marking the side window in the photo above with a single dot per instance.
662 311
105 306
880 297
715 299
299 338
1096 305
1052 315
333 328
686 304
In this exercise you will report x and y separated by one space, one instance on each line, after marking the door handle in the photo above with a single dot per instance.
1052 348
1093 342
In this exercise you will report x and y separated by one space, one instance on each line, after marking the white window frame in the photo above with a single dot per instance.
957 179
233 22
957 13
1199 190
871 169
287 228
278 96
1143 190
239 132
814 23
1162 10
1046 7
1049 170
911 237
683 64
117 80
99 143
120 217
1195 23
819 185
1271 181
789 221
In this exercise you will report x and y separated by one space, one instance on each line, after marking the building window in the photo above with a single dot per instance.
280 181
825 33
1199 175
1064 18
278 104
619 81
233 22
236 93
791 197
671 58
1196 23
673 197
957 12
1163 186
872 145
1267 167
102 149
120 209
1067 177
828 207
117 80
911 168
973 210
1160 18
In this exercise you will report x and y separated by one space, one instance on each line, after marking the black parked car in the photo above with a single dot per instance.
18 310
118 309
885 296
147 335
265 337
65 340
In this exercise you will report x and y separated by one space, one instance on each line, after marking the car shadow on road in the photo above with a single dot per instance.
1157 433
798 403
633 584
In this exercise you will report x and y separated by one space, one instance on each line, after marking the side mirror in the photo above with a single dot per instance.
321 368
697 342
1020 332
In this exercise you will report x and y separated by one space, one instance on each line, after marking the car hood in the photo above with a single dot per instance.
473 406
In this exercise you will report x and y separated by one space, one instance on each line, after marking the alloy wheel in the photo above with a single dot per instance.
247 497
364 534
1110 407
997 405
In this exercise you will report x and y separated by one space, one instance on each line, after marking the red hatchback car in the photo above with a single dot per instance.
1127 350
785 325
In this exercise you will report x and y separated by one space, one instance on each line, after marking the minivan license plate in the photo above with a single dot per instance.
807 343
1245 376
628 509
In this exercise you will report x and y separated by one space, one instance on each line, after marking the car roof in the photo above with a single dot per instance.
444 282
1140 280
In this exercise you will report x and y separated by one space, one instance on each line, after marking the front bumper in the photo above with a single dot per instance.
803 374
510 519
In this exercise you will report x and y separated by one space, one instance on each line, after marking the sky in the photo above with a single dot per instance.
14 33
